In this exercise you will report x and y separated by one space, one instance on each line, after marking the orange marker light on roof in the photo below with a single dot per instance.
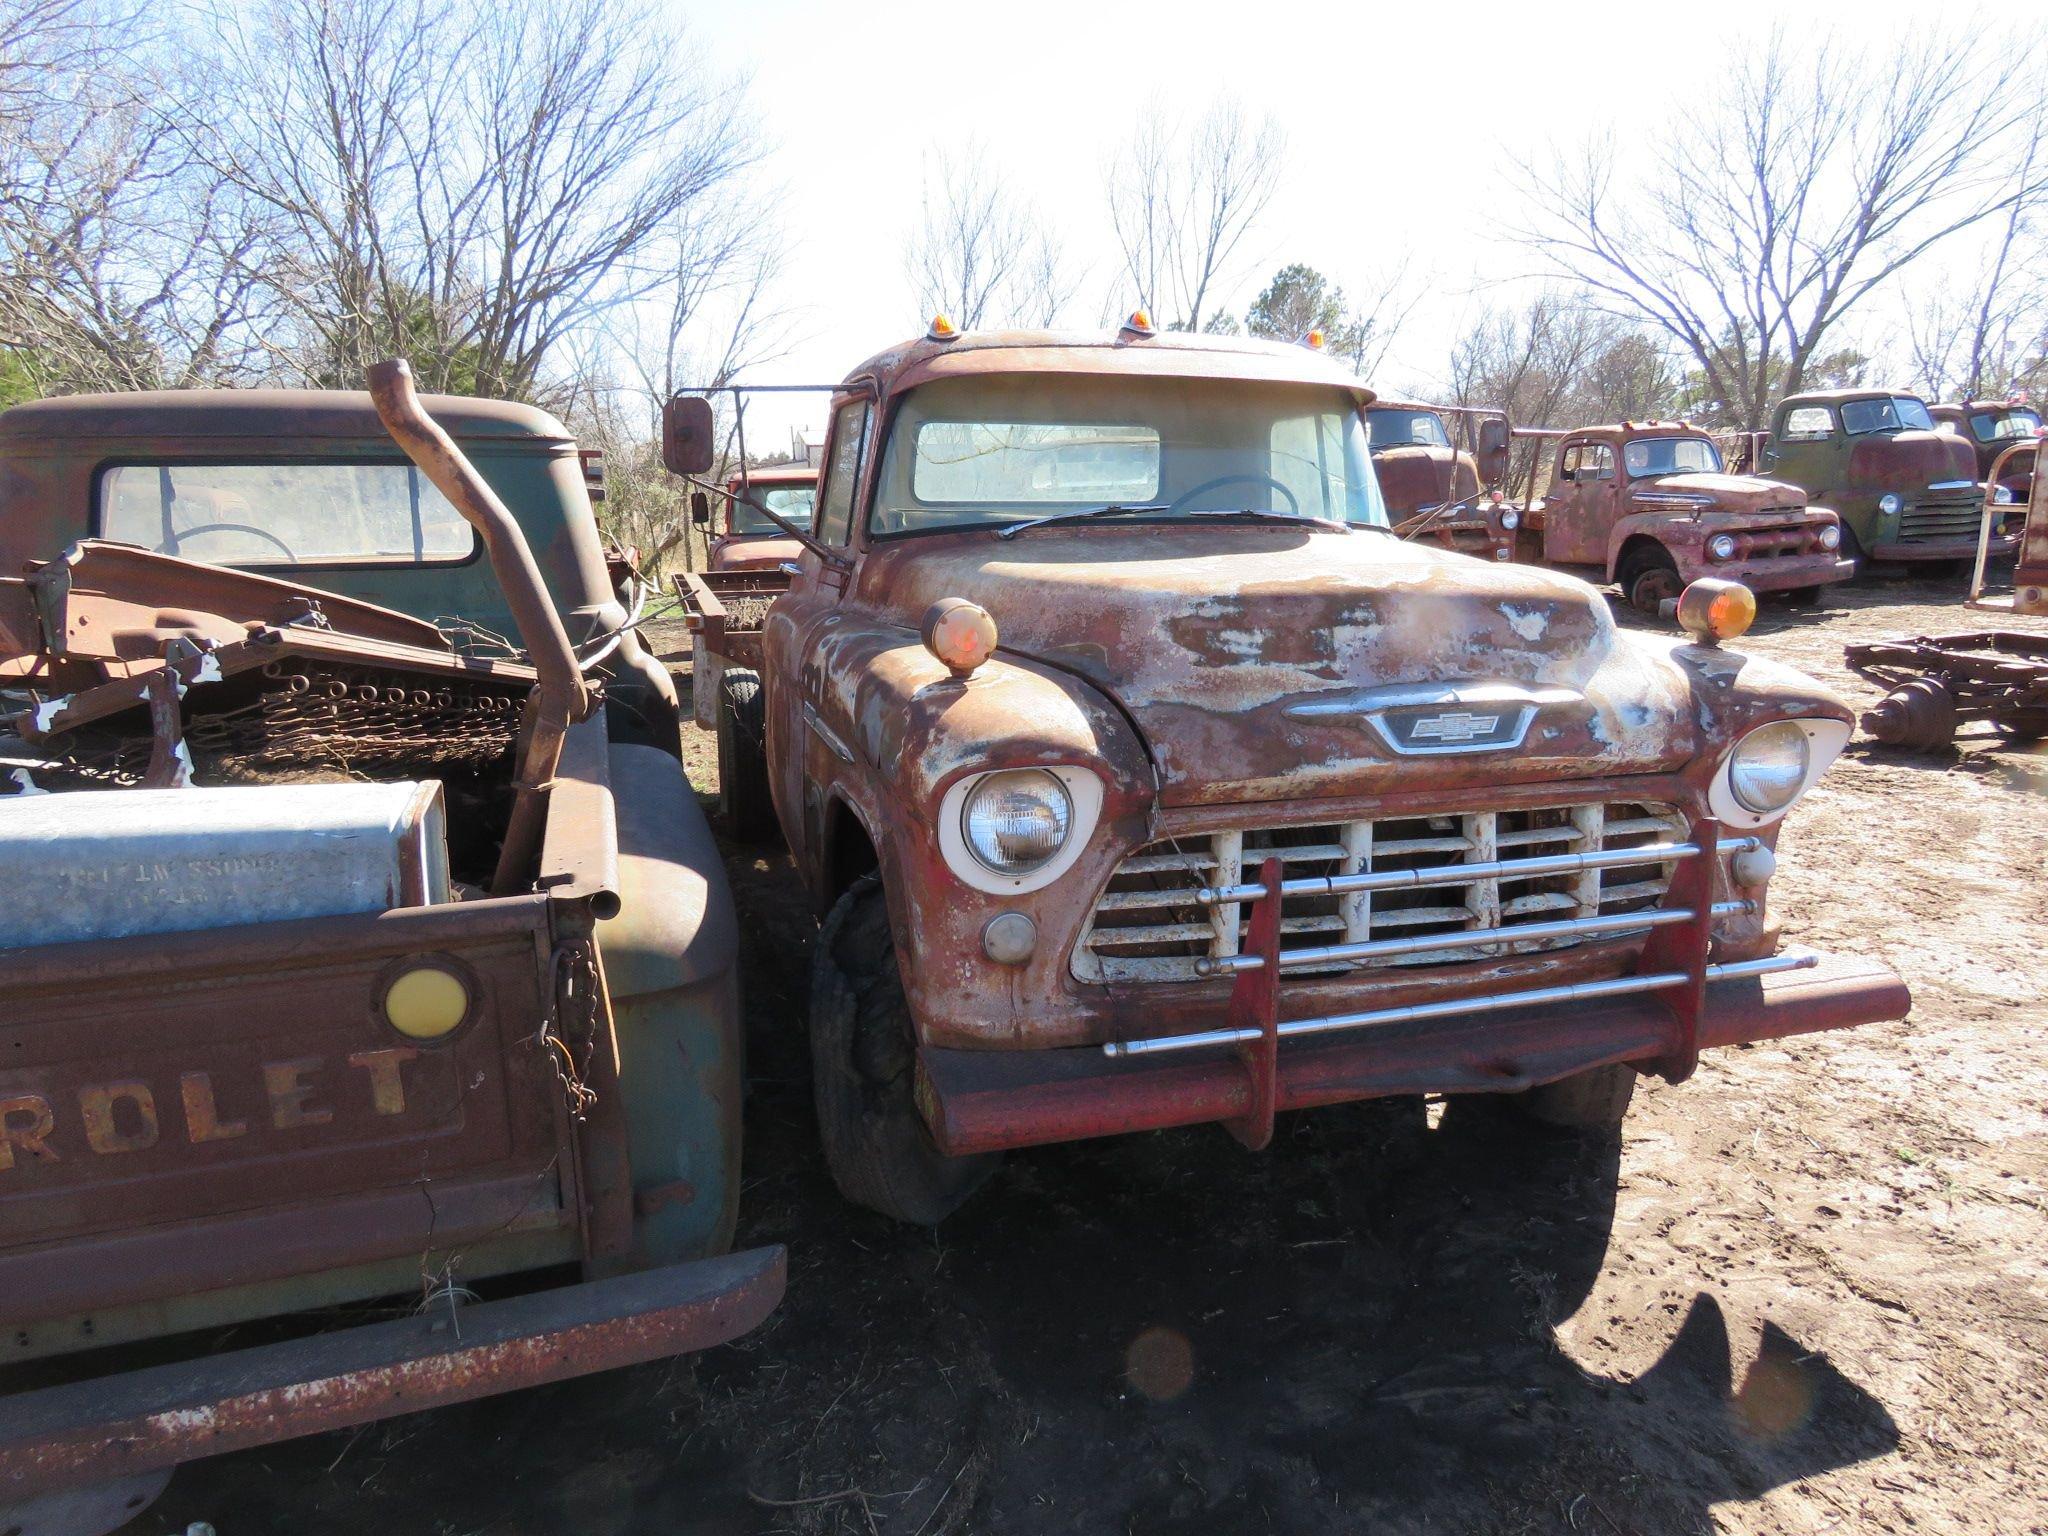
1313 339
1140 323
942 329
1712 610
961 634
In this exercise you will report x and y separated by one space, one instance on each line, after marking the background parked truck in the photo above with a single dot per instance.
1443 487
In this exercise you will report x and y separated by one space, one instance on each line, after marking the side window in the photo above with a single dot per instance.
1568 464
1805 423
851 428
1601 457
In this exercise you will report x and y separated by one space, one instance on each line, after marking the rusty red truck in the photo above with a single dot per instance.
1440 470
1648 506
1143 777
1990 427
750 540
352 955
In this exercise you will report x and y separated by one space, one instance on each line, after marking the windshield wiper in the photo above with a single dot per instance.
1269 514
1077 514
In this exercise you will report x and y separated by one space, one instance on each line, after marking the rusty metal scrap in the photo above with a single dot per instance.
1939 683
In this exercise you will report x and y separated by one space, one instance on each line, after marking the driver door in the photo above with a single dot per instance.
1581 506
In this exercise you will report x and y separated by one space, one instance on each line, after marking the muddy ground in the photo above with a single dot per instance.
1805 1293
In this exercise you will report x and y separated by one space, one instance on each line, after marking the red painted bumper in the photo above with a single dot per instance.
1786 575
983 1101
112 1427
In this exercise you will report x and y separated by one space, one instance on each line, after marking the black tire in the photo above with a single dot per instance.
1596 1100
1804 597
744 801
863 1074
1647 577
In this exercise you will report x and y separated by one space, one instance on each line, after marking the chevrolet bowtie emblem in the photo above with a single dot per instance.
1457 726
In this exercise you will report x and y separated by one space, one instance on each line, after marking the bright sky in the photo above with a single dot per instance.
1400 120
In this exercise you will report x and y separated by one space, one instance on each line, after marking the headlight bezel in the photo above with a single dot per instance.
1825 738
1830 537
1723 547
1510 520
1767 767
1084 791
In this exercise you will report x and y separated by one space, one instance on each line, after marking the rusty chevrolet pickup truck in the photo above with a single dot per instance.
1440 470
1143 777
343 961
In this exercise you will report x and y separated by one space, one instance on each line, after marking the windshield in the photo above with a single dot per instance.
1671 456
1992 425
792 502
999 449
1893 413
1406 429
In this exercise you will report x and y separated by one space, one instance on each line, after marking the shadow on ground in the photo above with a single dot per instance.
1162 1334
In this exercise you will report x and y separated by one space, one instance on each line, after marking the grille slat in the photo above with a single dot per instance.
1153 929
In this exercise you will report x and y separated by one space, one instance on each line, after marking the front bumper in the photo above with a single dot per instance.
1943 549
984 1101
1788 574
106 1428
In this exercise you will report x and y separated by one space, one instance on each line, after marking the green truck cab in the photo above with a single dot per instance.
1904 490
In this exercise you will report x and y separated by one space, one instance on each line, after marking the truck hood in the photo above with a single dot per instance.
1421 475
1270 663
1908 462
1729 493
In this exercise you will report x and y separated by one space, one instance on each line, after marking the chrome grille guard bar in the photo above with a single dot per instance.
1673 965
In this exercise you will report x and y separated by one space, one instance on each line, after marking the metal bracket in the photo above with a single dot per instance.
1682 947
1255 1004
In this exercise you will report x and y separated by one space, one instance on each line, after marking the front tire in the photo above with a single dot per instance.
1648 577
1593 1101
864 1070
748 810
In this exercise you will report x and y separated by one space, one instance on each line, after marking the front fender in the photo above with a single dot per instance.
1680 536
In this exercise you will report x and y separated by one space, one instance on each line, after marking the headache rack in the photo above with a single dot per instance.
1673 963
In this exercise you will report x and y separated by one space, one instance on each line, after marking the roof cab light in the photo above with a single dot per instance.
942 329
1140 323
1313 341
1712 610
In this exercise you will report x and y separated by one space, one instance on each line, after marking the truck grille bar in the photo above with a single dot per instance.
1578 991
1175 908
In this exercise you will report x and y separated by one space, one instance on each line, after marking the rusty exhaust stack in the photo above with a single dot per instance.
560 698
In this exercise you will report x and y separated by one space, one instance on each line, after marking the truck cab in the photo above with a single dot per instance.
1648 506
1143 777
750 541
1439 487
1991 427
1904 491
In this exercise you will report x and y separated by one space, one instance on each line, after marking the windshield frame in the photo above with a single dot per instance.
1719 467
883 455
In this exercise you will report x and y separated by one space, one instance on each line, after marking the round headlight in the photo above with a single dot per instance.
1722 546
2002 496
1831 537
1014 822
1891 504
1511 519
1768 766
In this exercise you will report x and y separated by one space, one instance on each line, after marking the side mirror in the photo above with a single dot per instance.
1492 457
700 509
686 435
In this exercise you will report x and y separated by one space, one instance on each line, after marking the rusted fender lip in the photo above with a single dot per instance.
115 1426
985 1101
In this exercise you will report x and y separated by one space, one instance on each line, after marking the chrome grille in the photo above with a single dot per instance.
1149 925
1955 521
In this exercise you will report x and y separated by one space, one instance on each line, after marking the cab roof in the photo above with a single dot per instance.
777 474
1167 354
1641 429
1837 396
283 414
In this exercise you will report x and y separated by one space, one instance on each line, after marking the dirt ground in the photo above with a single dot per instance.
1805 1293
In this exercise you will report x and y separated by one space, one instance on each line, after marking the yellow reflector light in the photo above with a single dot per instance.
1315 340
1140 323
1711 609
942 329
961 634
426 1002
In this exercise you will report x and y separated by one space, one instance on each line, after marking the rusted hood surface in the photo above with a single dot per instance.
1214 639
1731 493
1910 461
1420 475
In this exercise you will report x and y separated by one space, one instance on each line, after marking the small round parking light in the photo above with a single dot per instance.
1722 546
1009 938
425 1000
1712 610
961 634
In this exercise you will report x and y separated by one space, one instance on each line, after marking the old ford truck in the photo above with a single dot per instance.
1144 778
343 961
750 540
1440 487
1647 505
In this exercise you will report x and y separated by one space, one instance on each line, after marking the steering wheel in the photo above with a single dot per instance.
1242 479
290 554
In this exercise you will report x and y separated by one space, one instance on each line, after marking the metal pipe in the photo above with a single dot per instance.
1463 874
1473 938
561 697
1578 991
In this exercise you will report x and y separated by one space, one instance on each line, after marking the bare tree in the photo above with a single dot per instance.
1182 204
1771 211
469 188
970 241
